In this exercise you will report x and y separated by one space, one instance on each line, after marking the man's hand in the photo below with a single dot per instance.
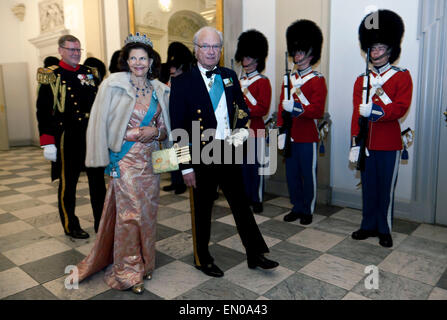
288 105
50 152
354 154
190 179
281 141
365 109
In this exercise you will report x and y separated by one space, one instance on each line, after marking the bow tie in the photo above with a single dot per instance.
210 73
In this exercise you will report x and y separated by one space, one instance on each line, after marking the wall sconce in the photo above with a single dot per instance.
165 5
19 11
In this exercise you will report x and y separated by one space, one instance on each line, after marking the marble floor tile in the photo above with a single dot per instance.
163 232
431 232
354 296
176 246
7 229
46 179
315 239
222 203
229 219
90 287
218 289
180 222
5 263
235 242
14 198
170 199
168 213
349 214
316 219
442 283
82 210
394 287
424 270
174 279
7 218
34 211
13 281
291 256
272 211
219 212
113 294
360 252
44 219
34 293
22 239
54 229
4 173
424 248
302 287
85 248
14 180
35 251
326 210
33 188
404 226
4 188
438 294
337 226
52 267
221 231
49 199
184 206
279 229
337 271
162 259
281 202
257 280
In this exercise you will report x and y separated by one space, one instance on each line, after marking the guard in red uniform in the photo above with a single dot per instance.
65 96
306 104
251 52
390 97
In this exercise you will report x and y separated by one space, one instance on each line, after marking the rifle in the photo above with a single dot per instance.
363 122
287 116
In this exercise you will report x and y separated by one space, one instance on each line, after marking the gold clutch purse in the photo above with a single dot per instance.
167 160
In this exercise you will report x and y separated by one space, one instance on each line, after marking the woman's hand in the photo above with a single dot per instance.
147 134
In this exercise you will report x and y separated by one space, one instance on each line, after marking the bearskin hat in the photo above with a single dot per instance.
253 44
179 56
390 31
303 35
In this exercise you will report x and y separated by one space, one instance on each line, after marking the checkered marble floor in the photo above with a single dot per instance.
319 261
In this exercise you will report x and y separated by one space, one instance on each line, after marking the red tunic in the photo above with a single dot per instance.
261 90
385 132
304 127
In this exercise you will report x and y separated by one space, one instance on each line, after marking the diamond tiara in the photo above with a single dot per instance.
142 38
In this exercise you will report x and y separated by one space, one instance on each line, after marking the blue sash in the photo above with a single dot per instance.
216 91
113 168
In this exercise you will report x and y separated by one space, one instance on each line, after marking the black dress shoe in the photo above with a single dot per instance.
306 219
292 216
363 234
257 207
180 189
261 261
385 240
211 270
169 187
78 234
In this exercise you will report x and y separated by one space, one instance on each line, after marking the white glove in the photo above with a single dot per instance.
288 105
50 152
365 109
238 138
354 154
281 141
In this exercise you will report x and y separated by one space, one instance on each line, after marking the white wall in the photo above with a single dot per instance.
252 10
346 63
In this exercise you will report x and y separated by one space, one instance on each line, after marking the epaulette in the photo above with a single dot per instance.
318 74
94 71
398 69
45 76
53 67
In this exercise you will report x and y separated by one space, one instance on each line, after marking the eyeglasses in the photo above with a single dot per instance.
73 50
206 47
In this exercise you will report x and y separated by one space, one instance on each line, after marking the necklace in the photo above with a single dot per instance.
141 91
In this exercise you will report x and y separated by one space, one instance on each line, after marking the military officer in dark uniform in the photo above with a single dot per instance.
208 100
65 95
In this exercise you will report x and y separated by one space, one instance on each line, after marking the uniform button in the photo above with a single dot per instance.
64 81
203 142
79 119
75 103
203 136
201 127
77 111
199 111
72 95
68 88
200 119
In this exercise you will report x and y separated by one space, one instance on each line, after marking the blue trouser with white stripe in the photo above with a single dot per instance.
378 184
301 172
253 181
